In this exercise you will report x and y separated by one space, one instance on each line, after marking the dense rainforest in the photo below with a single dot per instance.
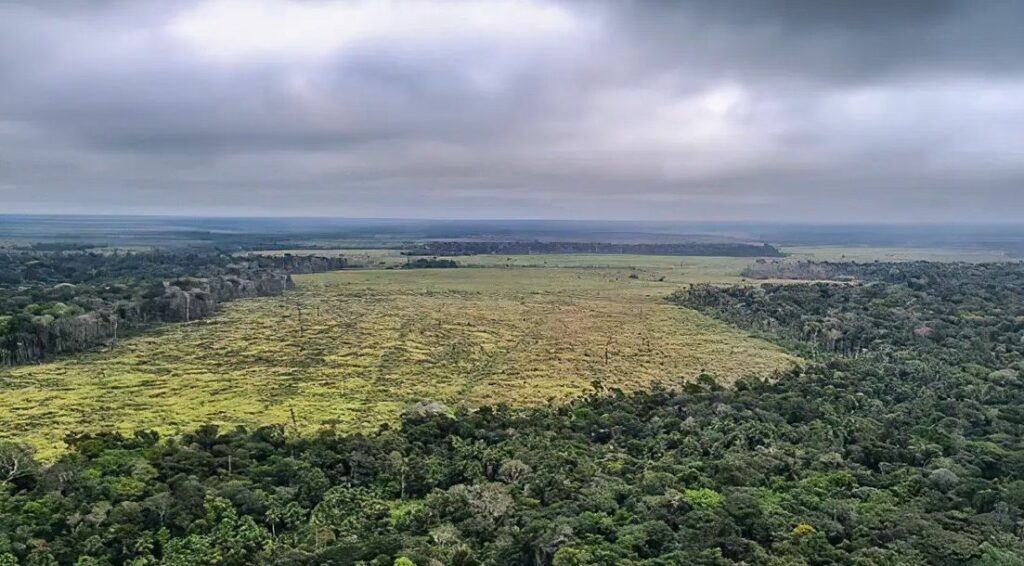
57 302
455 248
960 313
901 272
891 445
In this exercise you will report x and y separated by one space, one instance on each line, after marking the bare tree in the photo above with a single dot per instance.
15 461
295 421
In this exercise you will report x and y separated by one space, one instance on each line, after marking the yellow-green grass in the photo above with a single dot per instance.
352 349
691 268
675 269
373 258
873 253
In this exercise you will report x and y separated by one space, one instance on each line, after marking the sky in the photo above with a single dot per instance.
785 110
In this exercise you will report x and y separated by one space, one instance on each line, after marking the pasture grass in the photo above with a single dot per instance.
675 269
352 349
875 253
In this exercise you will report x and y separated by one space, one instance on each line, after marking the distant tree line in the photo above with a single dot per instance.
908 449
55 246
61 302
958 312
911 272
430 263
455 248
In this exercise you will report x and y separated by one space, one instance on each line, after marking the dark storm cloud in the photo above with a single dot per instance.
840 40
707 109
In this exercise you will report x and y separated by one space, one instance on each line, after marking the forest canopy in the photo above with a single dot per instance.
57 302
892 445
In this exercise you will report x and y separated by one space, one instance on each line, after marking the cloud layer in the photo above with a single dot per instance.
779 110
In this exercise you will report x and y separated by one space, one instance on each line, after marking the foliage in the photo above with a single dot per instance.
958 313
350 349
62 302
902 455
430 263
467 247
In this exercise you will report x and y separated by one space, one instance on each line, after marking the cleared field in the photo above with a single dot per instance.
677 269
868 253
352 349
674 269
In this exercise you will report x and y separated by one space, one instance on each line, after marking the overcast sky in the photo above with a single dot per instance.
706 110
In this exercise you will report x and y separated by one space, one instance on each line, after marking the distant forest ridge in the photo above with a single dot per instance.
241 234
455 248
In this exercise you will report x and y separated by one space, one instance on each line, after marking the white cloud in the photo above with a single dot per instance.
237 30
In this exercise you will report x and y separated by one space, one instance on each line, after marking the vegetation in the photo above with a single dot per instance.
904 450
910 271
674 270
55 303
973 254
350 349
430 263
464 247
961 314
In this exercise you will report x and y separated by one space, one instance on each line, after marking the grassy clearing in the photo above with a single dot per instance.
869 253
352 349
692 269
675 269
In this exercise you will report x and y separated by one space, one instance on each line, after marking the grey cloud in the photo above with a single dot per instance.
783 109
843 40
